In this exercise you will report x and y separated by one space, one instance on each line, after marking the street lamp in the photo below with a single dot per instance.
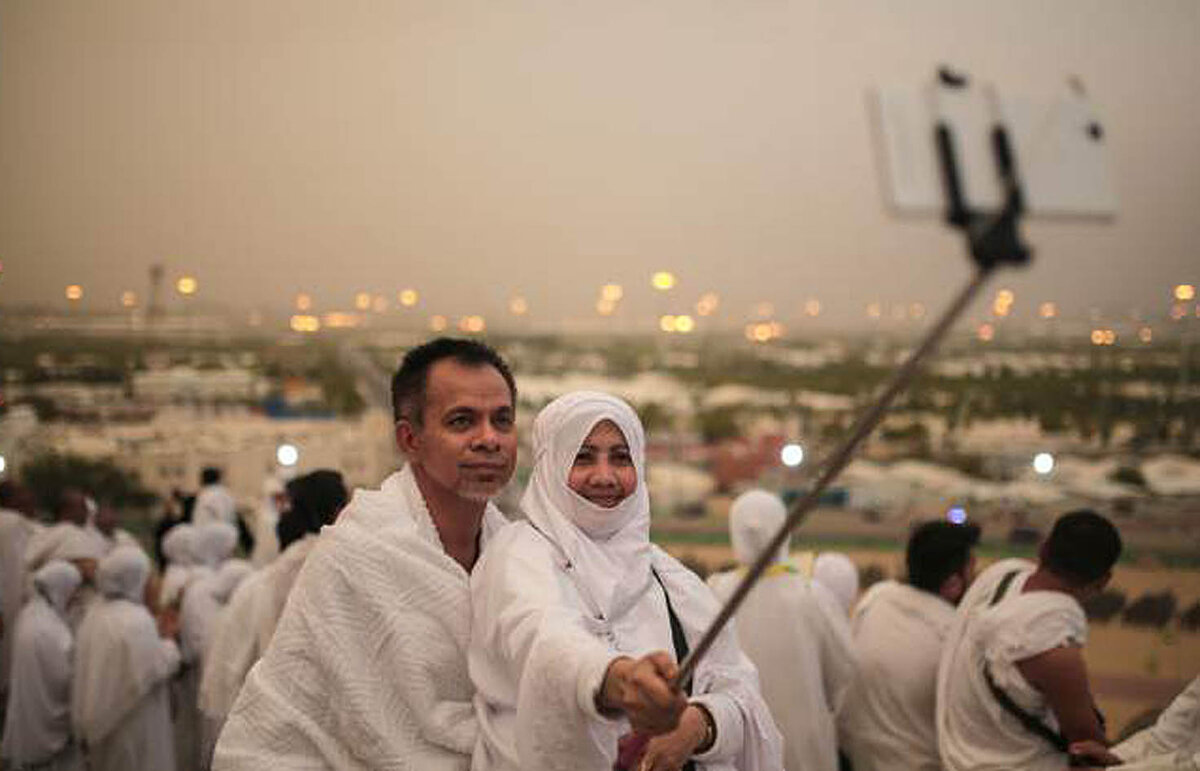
287 455
186 286
1043 463
662 280
792 455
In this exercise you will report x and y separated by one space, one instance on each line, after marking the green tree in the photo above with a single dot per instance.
50 473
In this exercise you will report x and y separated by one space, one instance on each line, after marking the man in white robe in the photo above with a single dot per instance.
120 705
16 527
266 544
1012 683
37 733
69 539
888 719
367 668
248 621
214 502
794 632
178 545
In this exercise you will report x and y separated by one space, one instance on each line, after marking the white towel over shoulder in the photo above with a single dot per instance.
367 668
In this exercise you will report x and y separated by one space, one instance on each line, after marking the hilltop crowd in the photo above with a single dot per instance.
416 627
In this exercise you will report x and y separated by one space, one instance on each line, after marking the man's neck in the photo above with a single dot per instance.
1042 580
458 520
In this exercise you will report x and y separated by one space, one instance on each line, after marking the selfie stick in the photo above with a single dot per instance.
993 239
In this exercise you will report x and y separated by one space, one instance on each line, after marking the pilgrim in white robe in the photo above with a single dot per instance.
1172 743
975 733
266 542
38 728
837 573
556 598
69 542
888 719
178 545
120 705
367 667
211 546
214 504
795 632
244 630
15 531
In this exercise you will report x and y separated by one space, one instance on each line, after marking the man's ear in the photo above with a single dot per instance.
953 588
407 436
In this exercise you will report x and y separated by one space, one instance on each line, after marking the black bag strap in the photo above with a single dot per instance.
679 642
1028 721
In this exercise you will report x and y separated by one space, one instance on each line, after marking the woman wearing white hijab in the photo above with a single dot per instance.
561 603
120 705
178 548
37 733
795 632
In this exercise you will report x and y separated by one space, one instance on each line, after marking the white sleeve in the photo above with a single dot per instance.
1177 728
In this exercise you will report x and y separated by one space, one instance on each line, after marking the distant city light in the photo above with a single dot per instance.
605 307
707 304
613 292
812 307
792 455
874 311
684 324
186 286
74 292
438 324
1005 296
666 323
3 464
472 324
957 515
305 323
764 331
339 320
1104 337
287 455
1146 335
128 299
1185 293
1048 310
1043 463
518 306
409 297
986 332
662 280
303 302
362 301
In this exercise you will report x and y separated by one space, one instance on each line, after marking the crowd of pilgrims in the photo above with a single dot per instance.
109 663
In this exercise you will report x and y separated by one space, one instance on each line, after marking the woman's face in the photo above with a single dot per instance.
603 471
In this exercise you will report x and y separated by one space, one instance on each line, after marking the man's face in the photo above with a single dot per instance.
74 508
467 443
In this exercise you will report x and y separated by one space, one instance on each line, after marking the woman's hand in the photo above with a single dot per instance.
641 689
669 752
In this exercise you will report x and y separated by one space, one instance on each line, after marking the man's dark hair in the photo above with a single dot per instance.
938 550
10 493
1082 547
316 498
210 475
410 381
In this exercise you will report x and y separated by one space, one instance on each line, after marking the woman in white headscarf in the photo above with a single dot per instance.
37 733
564 602
837 573
120 706
178 548
794 631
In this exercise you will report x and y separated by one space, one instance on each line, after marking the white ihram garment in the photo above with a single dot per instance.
38 727
974 732
888 719
266 540
245 627
556 598
795 633
367 668
1172 743
179 549
15 531
214 503
119 705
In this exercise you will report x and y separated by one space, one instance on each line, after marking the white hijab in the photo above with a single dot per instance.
837 573
754 518
214 543
119 655
608 550
56 581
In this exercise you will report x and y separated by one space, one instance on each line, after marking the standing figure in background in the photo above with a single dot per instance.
266 543
214 502
888 719
38 731
71 539
123 661
17 525
795 633
837 573
1012 683
106 521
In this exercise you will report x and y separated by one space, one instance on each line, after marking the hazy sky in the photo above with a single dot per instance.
478 150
